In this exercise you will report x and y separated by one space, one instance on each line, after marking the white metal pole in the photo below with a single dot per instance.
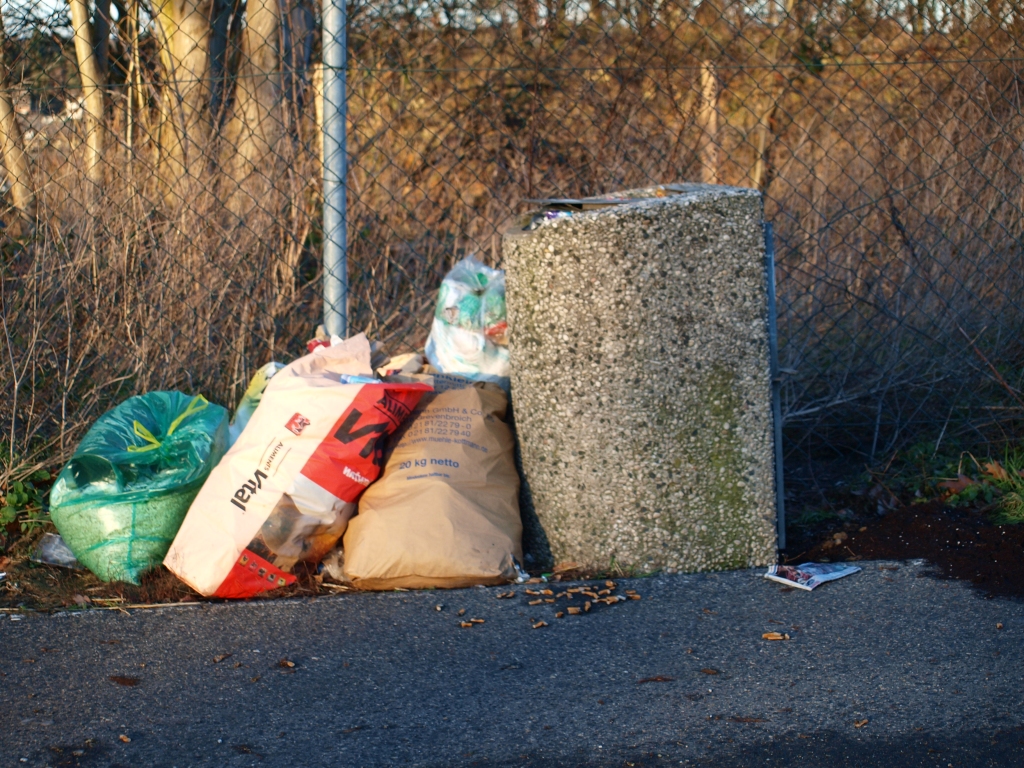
335 55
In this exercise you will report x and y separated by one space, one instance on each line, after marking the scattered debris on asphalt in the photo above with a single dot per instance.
656 679
595 594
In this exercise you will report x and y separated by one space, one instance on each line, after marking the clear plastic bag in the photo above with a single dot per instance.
53 551
120 500
469 335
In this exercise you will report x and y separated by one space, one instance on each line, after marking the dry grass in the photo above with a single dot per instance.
893 179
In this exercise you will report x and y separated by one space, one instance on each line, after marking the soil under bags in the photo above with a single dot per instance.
445 512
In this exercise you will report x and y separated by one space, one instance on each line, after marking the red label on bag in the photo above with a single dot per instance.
250 575
297 423
352 456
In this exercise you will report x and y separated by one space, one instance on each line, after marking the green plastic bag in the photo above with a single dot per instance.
120 500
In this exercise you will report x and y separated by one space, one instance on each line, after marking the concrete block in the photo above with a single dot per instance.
640 382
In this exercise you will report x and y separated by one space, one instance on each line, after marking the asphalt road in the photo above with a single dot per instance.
386 679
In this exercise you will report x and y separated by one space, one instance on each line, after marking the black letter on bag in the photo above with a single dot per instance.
345 435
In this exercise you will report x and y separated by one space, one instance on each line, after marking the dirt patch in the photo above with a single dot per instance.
32 586
957 543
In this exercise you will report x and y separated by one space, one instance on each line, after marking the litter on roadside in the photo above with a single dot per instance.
809 575
53 551
285 491
445 512
232 506
120 500
378 473
469 335
333 564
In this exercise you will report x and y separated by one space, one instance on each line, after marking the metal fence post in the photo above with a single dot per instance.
335 57
773 353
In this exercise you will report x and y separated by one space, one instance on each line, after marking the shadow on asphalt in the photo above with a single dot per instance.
1001 748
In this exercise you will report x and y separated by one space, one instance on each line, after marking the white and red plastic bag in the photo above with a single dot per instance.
285 491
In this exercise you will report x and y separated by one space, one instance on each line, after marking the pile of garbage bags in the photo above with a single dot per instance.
390 472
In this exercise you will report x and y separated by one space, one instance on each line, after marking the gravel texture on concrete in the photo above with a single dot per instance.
641 385
931 671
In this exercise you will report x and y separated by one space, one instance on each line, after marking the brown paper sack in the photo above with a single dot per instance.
445 513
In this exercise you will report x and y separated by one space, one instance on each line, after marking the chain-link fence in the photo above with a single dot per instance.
163 207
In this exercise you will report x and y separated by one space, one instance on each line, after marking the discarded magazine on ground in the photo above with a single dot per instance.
809 575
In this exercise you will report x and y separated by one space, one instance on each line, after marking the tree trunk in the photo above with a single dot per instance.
276 47
708 120
318 106
527 12
222 31
258 119
771 90
765 120
136 102
185 51
15 160
92 91
101 37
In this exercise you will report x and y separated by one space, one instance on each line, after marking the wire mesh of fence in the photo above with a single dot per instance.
163 207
